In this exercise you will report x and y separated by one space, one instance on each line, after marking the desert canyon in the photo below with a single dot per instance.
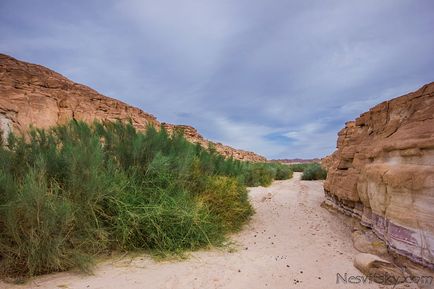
379 194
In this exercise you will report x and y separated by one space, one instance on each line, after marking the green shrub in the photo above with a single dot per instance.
314 171
165 225
259 175
36 221
77 191
227 199
262 174
283 172
299 167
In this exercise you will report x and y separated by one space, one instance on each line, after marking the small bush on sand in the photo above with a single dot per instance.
259 175
283 172
314 171
299 167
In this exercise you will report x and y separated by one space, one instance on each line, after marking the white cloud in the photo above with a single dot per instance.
247 136
311 140
239 71
191 35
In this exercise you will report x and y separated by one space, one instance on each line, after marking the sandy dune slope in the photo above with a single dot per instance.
291 242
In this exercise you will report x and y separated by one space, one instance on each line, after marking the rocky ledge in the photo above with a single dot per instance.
383 173
33 95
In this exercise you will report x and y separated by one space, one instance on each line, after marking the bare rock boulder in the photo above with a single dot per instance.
378 270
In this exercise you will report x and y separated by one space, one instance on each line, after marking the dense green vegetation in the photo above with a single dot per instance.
311 171
262 174
299 167
314 171
78 191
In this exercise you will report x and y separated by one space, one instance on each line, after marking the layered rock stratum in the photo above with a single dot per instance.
33 95
383 173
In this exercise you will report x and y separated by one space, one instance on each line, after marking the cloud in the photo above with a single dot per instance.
246 135
276 77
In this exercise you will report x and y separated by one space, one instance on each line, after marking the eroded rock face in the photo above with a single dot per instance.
368 242
32 95
383 173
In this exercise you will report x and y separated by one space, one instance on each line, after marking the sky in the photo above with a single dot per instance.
276 77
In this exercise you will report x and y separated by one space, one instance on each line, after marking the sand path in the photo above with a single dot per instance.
291 242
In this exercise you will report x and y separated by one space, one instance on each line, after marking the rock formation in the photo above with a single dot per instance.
32 95
378 270
383 173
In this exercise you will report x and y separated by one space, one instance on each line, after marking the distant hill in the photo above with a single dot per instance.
296 161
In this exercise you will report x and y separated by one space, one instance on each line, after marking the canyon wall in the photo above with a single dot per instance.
33 95
383 173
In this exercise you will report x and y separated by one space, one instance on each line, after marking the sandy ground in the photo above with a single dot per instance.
291 242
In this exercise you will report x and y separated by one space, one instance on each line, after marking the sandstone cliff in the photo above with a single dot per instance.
34 95
383 173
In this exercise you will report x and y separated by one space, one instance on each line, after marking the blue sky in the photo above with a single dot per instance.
277 77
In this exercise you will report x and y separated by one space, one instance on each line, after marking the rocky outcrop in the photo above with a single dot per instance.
192 135
32 95
379 270
383 173
366 241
